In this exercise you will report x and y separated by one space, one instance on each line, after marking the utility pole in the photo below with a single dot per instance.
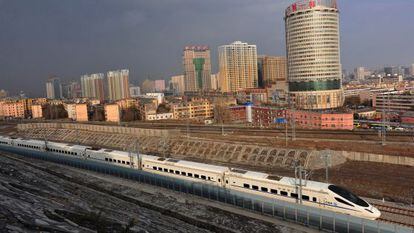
299 177
326 156
383 135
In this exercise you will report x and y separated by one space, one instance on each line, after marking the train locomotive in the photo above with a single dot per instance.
314 194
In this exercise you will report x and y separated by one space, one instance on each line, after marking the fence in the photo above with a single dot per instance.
295 213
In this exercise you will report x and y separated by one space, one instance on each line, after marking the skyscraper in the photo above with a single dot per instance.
313 52
118 84
93 86
237 66
53 88
197 68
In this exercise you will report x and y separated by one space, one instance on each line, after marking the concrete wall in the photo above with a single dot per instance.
377 158
96 128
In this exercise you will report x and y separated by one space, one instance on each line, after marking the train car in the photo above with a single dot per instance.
5 141
28 144
120 158
315 194
184 169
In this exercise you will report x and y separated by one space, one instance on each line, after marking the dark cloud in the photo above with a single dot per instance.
72 37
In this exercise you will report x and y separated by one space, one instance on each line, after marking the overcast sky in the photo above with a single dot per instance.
68 38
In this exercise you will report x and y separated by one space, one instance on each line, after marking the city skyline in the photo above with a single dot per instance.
78 47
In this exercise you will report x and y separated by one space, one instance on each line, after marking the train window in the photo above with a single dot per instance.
305 197
106 159
159 168
246 186
183 173
283 193
219 180
343 202
128 163
314 199
119 161
177 172
294 195
190 174
155 168
123 162
227 181
348 195
171 171
165 170
110 160
209 178
264 189
255 187
274 191
196 176
203 177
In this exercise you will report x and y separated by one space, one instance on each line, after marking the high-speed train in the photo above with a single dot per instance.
314 194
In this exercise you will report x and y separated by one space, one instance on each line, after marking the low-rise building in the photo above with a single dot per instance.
322 120
81 112
37 111
160 116
196 108
71 109
112 113
407 118
394 102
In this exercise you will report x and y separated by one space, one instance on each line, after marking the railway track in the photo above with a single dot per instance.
396 222
396 215
396 210
164 211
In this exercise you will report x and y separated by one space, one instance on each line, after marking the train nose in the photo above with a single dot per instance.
375 213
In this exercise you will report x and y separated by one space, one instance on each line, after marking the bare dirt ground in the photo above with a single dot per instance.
37 196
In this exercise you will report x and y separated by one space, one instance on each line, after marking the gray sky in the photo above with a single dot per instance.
68 38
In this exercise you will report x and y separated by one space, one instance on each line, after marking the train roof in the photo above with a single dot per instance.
308 184
188 164
116 153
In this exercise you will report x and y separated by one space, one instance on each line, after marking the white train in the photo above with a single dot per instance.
314 194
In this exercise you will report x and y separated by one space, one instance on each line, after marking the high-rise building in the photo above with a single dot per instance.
361 73
412 69
177 84
118 84
214 81
275 71
238 66
72 90
3 93
134 91
53 88
197 68
260 82
147 86
159 85
313 53
93 86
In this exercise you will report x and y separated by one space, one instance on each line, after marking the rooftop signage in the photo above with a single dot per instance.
309 4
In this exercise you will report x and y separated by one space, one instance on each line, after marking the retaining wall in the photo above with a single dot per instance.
96 128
